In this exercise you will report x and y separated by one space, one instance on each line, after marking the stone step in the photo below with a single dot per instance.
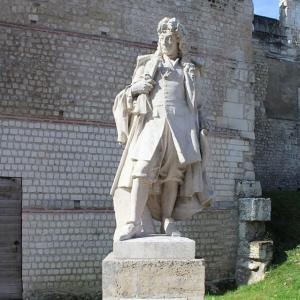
155 247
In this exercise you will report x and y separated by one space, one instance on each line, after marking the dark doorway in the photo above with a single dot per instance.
10 238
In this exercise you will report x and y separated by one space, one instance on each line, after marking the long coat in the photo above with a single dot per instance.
130 127
172 108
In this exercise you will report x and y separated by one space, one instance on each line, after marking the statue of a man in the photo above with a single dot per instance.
162 170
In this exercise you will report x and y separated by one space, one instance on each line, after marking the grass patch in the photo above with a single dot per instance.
282 281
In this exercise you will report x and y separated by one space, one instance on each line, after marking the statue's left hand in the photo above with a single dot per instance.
142 87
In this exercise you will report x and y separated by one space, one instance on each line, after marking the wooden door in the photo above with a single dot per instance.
10 238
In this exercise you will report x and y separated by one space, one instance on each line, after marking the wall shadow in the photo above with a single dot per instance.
284 227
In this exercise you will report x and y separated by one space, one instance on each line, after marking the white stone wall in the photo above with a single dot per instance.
59 162
63 249
62 64
231 161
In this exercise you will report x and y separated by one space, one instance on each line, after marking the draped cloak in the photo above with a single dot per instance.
130 117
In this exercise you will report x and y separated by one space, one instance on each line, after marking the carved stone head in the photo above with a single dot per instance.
172 37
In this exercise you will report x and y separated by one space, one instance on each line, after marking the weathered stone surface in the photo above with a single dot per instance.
152 278
259 250
173 102
251 231
255 209
277 134
248 188
46 73
254 254
250 271
290 24
156 246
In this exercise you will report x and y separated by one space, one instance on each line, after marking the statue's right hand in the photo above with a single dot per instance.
142 87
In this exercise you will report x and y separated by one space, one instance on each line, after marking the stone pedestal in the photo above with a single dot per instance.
254 251
155 267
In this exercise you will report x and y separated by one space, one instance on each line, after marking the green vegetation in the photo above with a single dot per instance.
282 281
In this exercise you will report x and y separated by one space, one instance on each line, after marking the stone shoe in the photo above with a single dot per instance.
129 231
169 227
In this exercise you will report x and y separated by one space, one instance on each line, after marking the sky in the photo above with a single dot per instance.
268 8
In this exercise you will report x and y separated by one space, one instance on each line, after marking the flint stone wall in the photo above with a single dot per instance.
277 116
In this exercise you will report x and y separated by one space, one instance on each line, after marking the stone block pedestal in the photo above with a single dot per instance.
144 275
254 251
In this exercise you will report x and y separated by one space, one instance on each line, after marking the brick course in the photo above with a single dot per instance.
63 251
62 64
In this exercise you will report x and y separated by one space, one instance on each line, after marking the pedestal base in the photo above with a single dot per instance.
153 278
155 246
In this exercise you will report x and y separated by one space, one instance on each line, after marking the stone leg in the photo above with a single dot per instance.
122 198
168 199
139 197
138 200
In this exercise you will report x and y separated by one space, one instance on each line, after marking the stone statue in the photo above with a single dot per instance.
162 170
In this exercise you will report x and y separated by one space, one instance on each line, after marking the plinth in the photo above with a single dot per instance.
153 267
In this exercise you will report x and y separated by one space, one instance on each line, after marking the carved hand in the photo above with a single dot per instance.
142 87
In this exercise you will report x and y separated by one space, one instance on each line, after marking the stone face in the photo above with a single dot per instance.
255 209
149 278
163 247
